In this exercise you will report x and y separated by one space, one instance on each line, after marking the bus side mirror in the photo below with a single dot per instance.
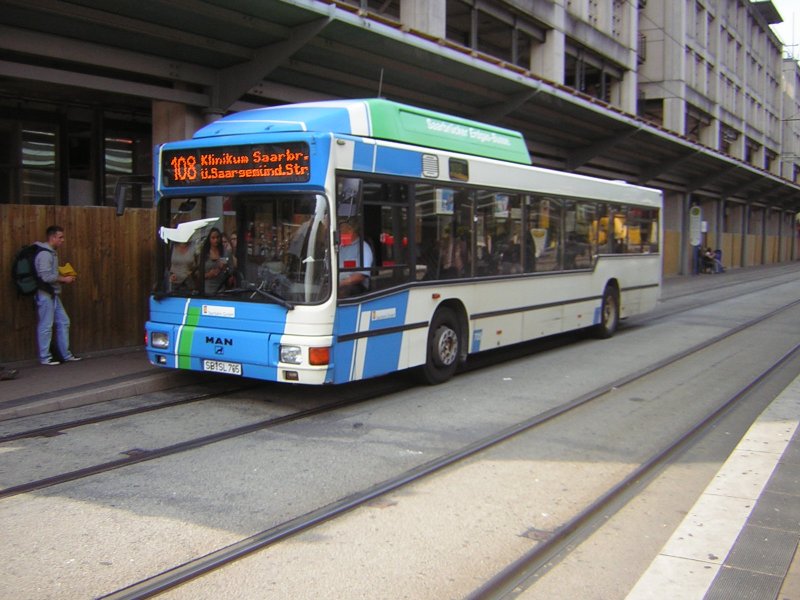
130 186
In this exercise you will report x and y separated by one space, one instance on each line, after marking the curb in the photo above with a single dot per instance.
123 387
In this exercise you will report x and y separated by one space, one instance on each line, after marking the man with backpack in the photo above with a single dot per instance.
49 309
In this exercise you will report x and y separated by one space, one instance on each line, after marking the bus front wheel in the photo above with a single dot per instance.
609 314
444 346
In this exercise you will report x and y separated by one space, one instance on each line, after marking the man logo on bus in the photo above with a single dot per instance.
210 339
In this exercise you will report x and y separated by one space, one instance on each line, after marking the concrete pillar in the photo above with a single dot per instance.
547 59
687 251
675 115
173 121
626 96
709 135
428 16
628 92
674 66
745 232
737 147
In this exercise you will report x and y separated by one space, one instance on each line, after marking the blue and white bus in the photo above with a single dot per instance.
329 242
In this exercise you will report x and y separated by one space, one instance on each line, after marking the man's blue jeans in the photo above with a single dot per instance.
51 315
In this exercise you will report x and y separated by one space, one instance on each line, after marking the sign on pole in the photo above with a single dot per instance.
695 225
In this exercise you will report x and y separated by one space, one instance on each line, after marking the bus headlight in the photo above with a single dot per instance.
159 339
291 354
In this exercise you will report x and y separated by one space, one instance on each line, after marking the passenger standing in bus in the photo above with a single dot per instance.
351 248
216 262
49 309
182 267
234 241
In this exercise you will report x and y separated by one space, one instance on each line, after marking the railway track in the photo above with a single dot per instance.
508 582
144 455
59 428
510 577
190 570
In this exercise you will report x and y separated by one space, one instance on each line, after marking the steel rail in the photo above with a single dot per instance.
146 455
194 568
505 582
52 430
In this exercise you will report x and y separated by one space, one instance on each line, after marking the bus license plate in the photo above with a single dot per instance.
218 366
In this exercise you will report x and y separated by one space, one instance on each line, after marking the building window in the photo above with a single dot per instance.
38 173
493 30
127 158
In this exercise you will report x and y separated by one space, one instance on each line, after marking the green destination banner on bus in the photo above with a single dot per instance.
394 121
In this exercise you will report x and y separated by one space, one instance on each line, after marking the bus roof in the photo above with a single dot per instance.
380 119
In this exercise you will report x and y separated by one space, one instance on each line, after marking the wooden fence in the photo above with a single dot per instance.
113 256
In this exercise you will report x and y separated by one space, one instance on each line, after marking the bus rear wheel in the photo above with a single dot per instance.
609 314
444 347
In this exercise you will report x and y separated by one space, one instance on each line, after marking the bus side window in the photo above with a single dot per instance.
619 225
386 229
545 224
443 232
499 233
577 230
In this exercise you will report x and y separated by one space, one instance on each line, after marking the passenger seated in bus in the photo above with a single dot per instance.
452 254
427 260
572 250
351 248
508 256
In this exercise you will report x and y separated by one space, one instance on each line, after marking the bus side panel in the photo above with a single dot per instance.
398 162
372 353
640 293
542 322
639 278
498 331
366 155
359 156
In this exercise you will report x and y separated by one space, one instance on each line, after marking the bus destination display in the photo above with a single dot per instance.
231 165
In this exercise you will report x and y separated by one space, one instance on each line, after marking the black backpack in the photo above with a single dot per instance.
23 271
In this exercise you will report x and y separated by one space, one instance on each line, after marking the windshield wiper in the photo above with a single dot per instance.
251 287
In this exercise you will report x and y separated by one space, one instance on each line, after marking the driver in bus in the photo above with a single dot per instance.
351 248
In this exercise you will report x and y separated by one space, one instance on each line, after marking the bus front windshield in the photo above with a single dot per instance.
272 248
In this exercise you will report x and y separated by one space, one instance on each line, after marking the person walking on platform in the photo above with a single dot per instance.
49 309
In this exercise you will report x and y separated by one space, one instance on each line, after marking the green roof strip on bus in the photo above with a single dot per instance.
403 123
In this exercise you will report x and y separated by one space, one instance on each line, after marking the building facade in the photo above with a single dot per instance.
790 130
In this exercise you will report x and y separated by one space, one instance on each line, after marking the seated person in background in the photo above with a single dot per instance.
351 247
708 261
714 258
